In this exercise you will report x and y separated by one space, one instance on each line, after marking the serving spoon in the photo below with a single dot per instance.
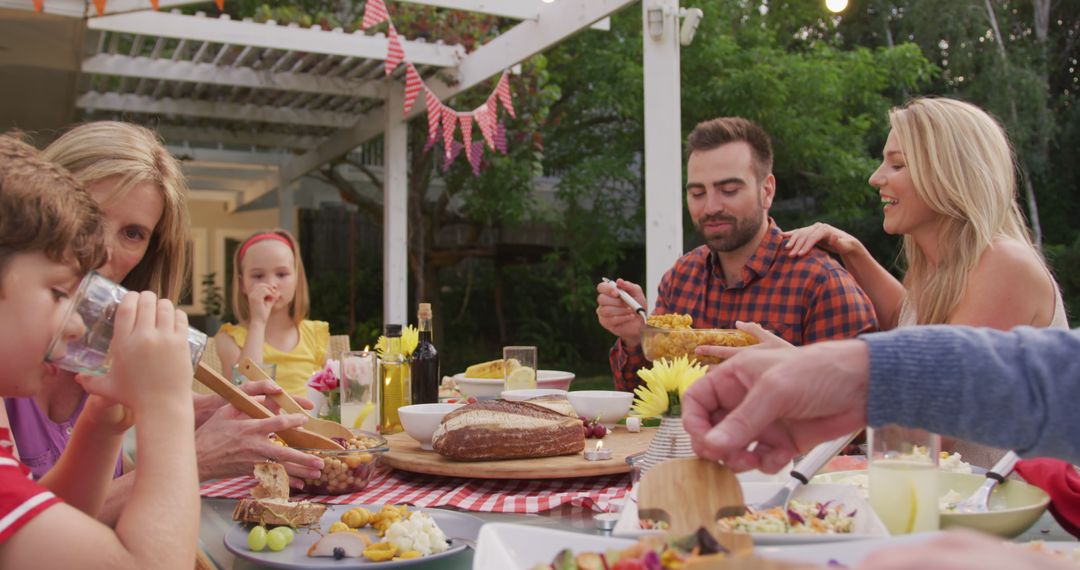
286 402
294 437
689 494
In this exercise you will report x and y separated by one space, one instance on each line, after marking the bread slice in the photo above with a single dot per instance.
556 403
273 481
278 512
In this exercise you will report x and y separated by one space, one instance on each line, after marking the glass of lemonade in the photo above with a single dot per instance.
519 367
904 478
359 397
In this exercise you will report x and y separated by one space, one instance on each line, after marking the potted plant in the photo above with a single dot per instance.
213 303
661 396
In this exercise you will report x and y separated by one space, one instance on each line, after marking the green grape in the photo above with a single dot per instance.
257 538
288 532
276 540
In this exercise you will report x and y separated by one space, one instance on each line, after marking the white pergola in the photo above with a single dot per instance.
253 107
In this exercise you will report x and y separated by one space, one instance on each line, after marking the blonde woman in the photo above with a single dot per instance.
141 190
948 184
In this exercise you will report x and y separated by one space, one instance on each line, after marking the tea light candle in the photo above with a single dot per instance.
605 521
599 453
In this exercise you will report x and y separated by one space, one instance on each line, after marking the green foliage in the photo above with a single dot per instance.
212 300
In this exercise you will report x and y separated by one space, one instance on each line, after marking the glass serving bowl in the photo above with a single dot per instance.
348 470
670 343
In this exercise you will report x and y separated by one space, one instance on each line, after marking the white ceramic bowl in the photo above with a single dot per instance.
609 405
421 420
492 387
522 395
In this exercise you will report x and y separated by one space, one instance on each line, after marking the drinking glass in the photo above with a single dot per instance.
519 367
96 301
904 478
359 397
239 378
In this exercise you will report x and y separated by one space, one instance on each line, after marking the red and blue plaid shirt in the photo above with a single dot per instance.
802 299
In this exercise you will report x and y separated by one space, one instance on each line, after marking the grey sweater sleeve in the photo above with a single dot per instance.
1017 390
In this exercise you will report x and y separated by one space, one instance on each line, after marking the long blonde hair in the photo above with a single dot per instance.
298 308
135 155
962 167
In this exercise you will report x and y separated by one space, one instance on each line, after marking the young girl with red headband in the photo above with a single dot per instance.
270 298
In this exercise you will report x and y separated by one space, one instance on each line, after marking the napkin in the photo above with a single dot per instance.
1061 481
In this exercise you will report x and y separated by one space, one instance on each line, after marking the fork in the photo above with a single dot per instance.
979 502
801 474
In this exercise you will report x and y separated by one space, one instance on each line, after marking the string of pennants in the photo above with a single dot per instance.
442 120
99 5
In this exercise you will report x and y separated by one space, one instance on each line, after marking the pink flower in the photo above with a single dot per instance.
324 380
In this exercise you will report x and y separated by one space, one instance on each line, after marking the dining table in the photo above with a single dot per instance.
216 521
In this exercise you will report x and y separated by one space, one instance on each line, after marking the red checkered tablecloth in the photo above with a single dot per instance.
479 495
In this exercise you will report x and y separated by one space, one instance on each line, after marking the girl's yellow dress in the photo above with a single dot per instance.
295 367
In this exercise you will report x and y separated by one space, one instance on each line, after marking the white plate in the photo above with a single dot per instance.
852 554
867 524
294 557
507 546
492 387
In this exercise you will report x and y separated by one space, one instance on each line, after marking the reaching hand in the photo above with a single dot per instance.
787 399
802 240
151 360
229 443
261 301
614 314
765 339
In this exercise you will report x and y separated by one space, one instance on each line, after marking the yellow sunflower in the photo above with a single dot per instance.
410 337
665 383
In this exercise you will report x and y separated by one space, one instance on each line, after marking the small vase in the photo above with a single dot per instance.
670 442
331 408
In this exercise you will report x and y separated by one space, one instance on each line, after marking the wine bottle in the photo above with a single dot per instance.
425 361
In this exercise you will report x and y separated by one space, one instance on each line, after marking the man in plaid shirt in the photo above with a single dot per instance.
744 272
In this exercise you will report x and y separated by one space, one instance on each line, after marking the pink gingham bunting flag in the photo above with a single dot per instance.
434 117
503 91
500 138
394 52
486 120
455 150
413 84
449 121
476 156
466 120
374 12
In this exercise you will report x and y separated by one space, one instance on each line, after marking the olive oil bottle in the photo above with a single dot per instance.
395 381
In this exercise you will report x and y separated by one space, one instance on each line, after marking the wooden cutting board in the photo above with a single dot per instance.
405 454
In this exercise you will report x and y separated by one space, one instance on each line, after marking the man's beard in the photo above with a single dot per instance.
741 232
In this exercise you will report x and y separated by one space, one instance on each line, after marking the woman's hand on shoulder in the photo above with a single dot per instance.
800 241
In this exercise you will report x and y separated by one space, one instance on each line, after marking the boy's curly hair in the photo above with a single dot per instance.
42 208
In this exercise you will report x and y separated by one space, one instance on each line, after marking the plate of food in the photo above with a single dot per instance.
383 536
509 546
817 513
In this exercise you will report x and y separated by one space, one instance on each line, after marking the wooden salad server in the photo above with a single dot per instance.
289 405
689 494
294 437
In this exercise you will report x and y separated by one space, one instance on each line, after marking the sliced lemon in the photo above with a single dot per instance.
521 378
